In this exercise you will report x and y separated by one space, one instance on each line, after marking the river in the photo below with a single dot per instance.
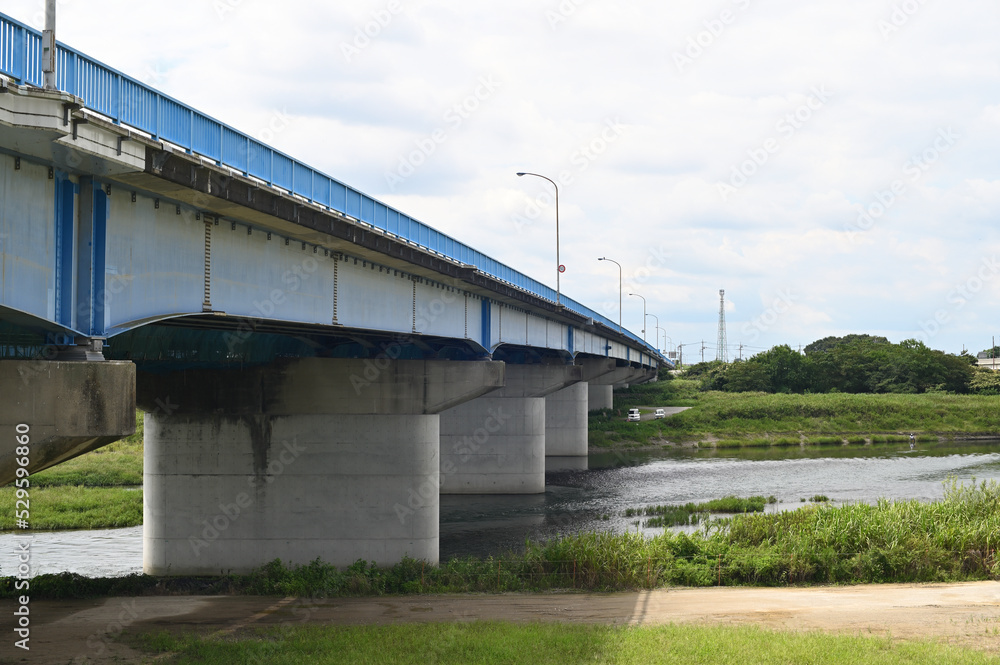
596 499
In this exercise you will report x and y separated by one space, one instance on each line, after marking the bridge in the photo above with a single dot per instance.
315 366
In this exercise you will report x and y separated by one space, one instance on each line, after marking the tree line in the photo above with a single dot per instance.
850 364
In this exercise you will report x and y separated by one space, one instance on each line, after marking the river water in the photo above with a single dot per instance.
596 499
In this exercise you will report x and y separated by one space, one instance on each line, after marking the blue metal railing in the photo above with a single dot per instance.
130 102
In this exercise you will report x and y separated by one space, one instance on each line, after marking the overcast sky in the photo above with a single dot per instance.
834 165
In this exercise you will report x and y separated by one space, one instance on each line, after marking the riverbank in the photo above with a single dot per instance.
954 539
758 419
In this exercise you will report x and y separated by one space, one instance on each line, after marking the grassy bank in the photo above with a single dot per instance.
118 464
954 539
97 490
690 513
542 643
73 507
770 419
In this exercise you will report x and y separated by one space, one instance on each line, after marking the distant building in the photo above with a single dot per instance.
983 360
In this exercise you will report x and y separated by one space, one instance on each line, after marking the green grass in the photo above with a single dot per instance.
738 416
100 489
75 507
115 465
690 513
890 438
825 441
488 643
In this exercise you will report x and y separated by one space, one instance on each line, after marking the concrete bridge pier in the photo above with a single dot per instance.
599 391
566 441
599 396
496 444
601 387
64 409
328 458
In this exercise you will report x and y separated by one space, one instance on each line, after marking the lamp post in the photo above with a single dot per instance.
643 315
49 47
559 266
604 258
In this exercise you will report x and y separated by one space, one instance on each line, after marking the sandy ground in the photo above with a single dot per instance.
966 614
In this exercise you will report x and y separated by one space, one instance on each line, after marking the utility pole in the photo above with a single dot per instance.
741 351
49 46
702 350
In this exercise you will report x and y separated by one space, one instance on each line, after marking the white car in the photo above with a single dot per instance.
633 415
660 413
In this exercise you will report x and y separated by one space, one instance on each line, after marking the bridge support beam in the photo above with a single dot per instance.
624 377
566 443
65 409
495 444
599 391
601 388
335 459
600 396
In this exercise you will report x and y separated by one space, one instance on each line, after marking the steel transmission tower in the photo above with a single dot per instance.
721 353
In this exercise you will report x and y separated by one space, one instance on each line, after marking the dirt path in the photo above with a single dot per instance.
667 410
966 614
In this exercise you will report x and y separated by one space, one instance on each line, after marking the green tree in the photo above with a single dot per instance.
854 364
746 376
699 369
788 370
985 381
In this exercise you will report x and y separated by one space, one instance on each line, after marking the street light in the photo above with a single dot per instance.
559 267
643 315
656 338
604 258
